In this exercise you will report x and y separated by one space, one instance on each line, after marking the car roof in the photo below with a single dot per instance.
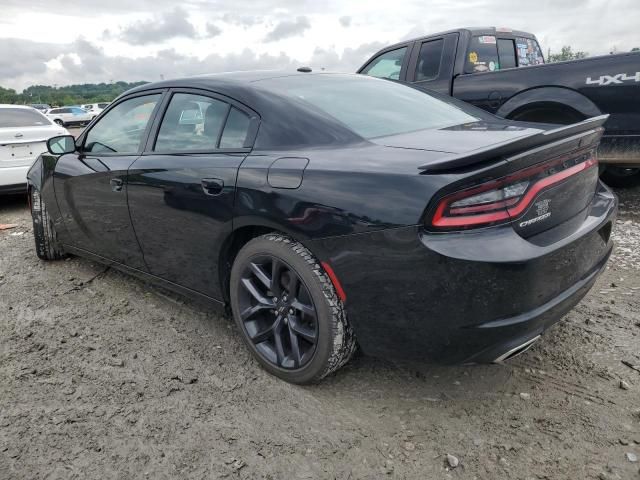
223 79
9 105
471 30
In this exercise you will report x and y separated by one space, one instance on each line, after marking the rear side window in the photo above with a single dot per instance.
122 128
429 59
387 65
21 117
528 52
235 130
507 53
482 55
191 123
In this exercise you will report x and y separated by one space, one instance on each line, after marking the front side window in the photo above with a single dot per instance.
370 107
22 117
387 65
528 52
428 67
191 123
506 53
121 130
482 55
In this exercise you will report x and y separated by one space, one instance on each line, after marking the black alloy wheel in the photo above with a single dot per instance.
287 309
277 312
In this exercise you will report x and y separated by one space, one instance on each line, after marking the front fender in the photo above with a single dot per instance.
550 95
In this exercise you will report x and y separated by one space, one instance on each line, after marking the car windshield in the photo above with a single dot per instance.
21 117
368 106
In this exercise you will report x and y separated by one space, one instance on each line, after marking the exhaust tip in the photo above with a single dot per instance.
514 352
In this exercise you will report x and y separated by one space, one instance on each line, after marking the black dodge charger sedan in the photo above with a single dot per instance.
330 210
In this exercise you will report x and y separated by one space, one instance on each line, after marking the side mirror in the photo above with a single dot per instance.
61 145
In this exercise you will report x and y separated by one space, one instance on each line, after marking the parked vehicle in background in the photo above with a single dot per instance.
24 132
95 108
325 207
42 107
482 66
70 116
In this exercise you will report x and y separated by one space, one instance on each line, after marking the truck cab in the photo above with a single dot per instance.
503 71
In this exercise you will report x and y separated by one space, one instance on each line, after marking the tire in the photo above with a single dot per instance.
47 245
59 122
620 177
327 326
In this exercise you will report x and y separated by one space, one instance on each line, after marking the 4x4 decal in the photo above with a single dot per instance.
620 78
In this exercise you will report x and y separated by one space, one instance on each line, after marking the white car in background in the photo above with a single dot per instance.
95 108
70 116
24 132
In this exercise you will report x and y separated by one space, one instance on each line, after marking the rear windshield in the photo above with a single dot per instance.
21 117
368 106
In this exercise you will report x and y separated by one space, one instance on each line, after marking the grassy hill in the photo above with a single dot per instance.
69 95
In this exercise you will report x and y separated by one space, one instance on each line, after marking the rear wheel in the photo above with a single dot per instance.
59 122
621 177
47 245
287 310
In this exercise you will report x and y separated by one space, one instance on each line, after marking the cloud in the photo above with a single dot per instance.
24 57
345 21
213 30
168 25
288 28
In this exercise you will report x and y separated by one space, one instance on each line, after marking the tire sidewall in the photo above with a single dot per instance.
284 251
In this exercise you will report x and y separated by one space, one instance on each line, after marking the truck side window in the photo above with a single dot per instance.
528 52
387 65
482 55
507 53
429 59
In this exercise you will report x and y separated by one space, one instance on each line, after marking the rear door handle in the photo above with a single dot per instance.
116 184
212 186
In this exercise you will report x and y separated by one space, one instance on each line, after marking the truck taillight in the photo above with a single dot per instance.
502 200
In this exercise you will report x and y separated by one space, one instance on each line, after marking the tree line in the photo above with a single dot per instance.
68 95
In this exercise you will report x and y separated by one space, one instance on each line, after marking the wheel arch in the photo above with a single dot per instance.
552 98
237 239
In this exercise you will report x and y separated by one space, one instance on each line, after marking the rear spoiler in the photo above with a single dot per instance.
497 151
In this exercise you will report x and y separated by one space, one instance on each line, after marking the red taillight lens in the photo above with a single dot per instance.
502 200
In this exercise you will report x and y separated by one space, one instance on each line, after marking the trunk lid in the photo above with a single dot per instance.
19 146
536 182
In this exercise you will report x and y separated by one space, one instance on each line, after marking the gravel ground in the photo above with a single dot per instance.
103 376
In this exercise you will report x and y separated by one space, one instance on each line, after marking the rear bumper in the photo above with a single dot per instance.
620 150
467 297
13 179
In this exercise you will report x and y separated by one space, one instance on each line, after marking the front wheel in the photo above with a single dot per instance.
47 245
620 177
287 310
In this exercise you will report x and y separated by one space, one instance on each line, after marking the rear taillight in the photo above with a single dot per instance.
504 199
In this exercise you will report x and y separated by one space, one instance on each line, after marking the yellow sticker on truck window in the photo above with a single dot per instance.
473 57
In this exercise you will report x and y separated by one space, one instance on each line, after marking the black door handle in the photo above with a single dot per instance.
212 186
116 184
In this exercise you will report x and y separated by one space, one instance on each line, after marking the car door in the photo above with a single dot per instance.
431 63
181 190
90 184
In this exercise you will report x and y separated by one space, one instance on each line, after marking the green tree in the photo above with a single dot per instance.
68 95
566 53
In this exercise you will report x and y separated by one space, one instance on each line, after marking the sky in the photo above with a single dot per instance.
62 42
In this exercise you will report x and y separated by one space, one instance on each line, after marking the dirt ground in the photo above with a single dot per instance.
103 376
